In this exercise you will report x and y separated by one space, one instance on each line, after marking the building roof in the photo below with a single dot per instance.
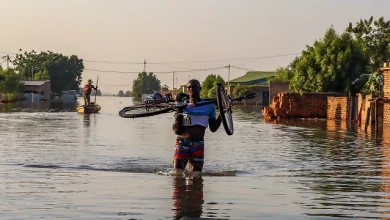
34 82
254 77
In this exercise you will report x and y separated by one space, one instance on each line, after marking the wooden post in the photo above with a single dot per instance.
368 117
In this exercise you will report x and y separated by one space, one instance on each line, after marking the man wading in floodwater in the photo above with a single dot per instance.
190 126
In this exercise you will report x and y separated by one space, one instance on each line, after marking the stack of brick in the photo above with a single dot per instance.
338 108
298 105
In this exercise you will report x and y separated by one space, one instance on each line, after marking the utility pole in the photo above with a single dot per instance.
173 80
144 65
7 61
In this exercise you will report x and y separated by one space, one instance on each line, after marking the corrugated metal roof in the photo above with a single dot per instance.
253 77
34 82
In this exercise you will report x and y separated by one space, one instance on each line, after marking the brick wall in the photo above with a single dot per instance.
298 105
338 107
386 113
386 88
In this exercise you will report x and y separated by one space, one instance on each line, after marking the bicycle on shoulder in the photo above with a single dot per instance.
167 104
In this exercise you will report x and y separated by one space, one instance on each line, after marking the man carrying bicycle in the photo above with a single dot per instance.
190 126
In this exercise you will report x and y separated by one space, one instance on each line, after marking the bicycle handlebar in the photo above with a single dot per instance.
214 101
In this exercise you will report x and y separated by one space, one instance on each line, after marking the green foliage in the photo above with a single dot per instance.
374 37
127 93
146 83
285 74
64 72
10 84
42 75
181 89
121 93
209 86
239 90
333 64
212 93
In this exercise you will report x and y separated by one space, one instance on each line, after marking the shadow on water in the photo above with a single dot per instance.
342 168
47 106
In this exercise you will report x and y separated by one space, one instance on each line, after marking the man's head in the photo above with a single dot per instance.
89 81
193 89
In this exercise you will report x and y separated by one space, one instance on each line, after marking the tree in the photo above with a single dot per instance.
10 84
64 72
121 93
181 89
333 64
127 93
146 83
239 90
209 86
374 37
286 73
42 75
165 88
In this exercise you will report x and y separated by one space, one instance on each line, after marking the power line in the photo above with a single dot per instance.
113 62
8 53
282 55
109 71
176 67
199 61
258 58
180 71
244 68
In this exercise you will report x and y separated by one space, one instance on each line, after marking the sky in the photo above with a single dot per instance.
175 35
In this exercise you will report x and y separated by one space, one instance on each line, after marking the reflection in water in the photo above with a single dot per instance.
187 197
87 120
344 168
282 169
47 106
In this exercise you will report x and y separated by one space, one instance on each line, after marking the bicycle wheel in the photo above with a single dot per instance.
224 105
139 111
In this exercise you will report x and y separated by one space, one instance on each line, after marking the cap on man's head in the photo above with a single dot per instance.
194 81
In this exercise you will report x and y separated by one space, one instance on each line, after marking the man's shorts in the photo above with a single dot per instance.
189 150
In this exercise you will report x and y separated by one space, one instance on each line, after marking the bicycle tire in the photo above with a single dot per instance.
225 110
124 113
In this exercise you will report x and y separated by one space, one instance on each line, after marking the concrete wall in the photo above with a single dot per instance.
44 90
276 87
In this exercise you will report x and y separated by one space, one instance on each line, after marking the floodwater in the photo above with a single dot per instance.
65 165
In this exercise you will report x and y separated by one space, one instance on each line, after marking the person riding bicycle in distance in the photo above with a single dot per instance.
190 126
